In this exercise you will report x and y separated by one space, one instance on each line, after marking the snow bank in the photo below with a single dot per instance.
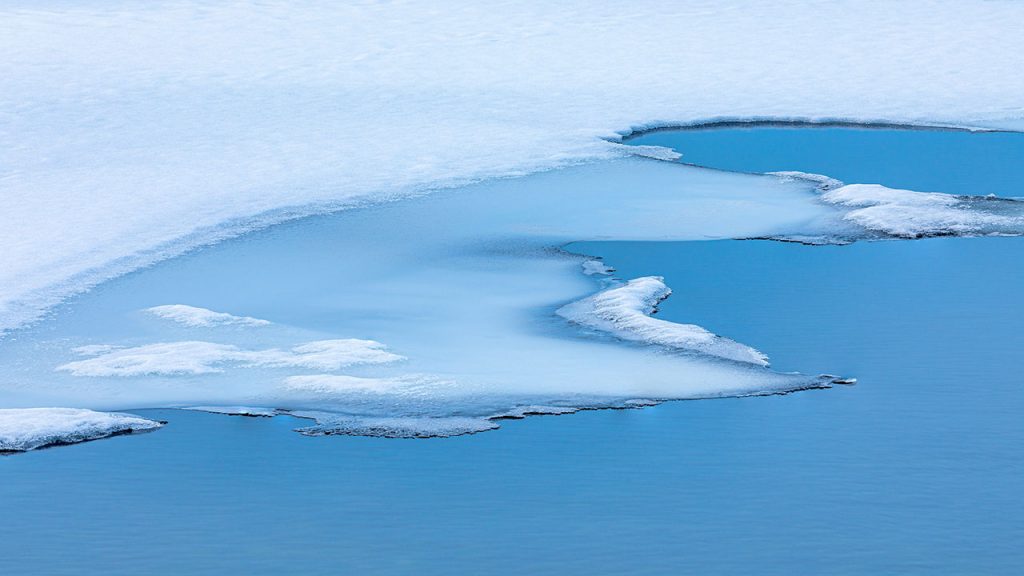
194 317
625 312
198 357
30 428
133 130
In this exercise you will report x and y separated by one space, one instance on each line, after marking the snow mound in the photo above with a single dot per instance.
624 312
25 429
195 317
910 214
199 357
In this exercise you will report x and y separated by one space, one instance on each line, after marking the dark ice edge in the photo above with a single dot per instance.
69 442
821 382
795 122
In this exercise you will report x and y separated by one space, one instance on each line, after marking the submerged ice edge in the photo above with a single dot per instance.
340 423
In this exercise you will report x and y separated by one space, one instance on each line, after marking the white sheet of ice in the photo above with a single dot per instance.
24 429
198 357
195 317
625 312
132 130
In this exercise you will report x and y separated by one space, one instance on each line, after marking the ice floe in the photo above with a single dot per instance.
23 429
625 312
195 317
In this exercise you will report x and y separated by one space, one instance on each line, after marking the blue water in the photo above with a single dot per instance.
916 470
952 161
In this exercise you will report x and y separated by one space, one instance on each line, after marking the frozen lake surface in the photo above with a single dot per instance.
916 469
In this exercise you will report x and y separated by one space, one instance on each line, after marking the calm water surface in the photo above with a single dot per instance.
916 470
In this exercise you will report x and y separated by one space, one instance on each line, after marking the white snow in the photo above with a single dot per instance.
30 428
624 311
910 214
195 317
199 357
596 268
132 130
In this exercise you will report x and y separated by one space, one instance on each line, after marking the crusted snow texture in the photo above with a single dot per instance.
624 312
23 429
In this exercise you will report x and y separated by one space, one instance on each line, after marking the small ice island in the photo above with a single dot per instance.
27 429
